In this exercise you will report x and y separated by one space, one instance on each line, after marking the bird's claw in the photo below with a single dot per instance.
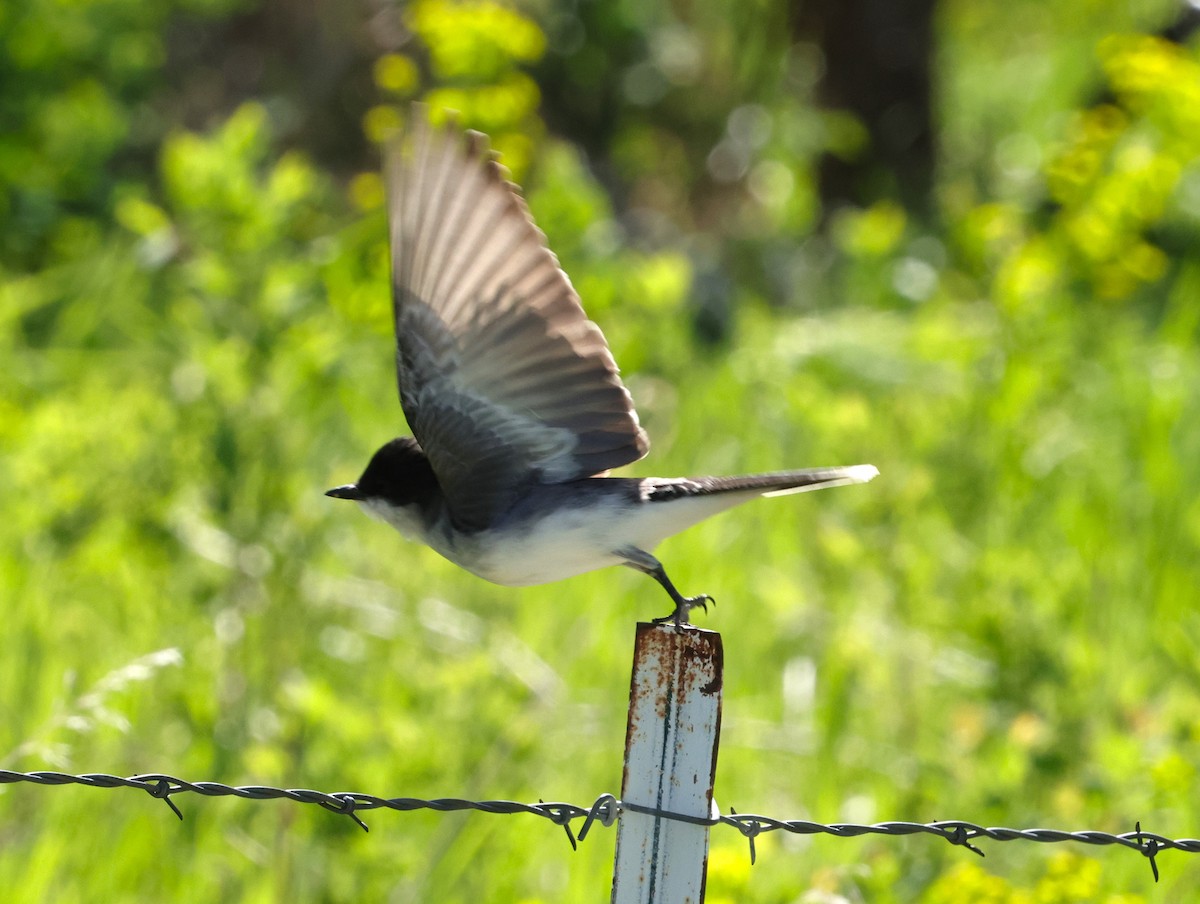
683 606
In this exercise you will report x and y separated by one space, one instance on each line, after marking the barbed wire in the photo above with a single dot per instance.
606 810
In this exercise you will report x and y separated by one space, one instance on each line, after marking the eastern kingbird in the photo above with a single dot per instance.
513 397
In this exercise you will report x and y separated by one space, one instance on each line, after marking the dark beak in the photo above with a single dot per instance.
349 491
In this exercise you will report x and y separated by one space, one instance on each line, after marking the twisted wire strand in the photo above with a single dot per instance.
607 809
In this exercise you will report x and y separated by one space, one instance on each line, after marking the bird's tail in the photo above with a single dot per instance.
784 483
726 492
694 499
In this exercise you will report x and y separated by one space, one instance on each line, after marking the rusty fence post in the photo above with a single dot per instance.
670 763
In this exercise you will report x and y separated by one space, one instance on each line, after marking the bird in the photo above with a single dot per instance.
515 404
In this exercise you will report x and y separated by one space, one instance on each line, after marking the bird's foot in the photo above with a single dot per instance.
642 561
683 606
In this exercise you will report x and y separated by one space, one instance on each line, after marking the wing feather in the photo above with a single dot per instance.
503 379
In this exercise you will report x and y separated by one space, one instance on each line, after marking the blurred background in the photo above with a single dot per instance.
956 239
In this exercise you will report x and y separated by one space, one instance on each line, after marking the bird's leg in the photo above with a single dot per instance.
642 561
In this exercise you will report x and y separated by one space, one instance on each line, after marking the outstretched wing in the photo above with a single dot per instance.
503 379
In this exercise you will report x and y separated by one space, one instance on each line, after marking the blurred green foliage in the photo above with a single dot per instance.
78 83
195 331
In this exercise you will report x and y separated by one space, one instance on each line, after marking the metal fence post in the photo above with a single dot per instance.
670 763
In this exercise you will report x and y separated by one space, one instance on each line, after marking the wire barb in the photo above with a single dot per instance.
960 837
162 790
606 808
1149 850
561 815
750 829
345 806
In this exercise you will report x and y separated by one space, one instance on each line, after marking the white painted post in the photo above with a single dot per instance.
670 763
